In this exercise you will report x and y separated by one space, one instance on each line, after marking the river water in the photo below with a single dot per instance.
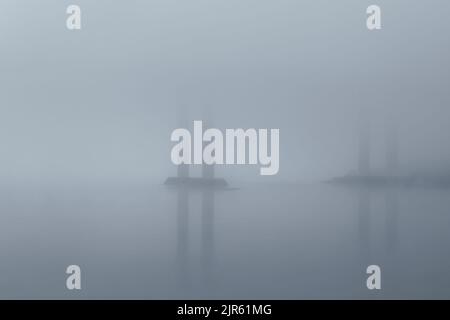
259 241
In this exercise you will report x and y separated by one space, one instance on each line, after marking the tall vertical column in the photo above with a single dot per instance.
207 170
183 169
391 147
364 145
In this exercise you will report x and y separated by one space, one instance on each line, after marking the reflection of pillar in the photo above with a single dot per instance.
182 234
364 221
364 146
208 197
391 199
391 148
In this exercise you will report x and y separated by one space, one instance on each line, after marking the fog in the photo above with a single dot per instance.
97 107
102 102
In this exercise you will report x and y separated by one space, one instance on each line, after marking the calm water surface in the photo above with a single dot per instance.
286 241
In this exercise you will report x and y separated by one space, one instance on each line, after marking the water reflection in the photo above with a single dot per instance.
208 198
183 236
207 189
364 223
207 234
392 219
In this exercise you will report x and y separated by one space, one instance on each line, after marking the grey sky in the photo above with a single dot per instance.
101 102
